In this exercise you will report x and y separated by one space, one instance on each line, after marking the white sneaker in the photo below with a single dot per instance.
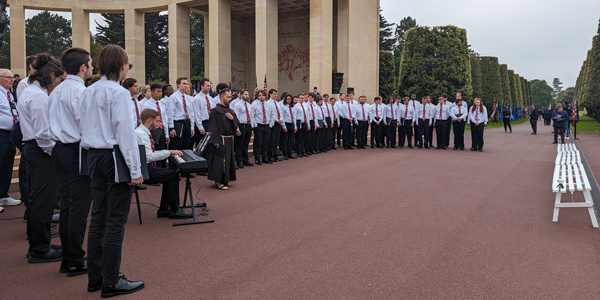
1 209
9 201
567 138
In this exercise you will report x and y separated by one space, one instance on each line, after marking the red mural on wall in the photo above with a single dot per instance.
293 60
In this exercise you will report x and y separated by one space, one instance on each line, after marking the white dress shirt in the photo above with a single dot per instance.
262 111
456 110
243 109
277 107
288 116
63 105
362 113
300 113
164 116
407 112
177 111
318 113
143 138
203 107
21 86
474 116
136 112
428 110
345 109
377 112
328 112
390 111
6 115
444 110
105 119
143 102
33 116
309 111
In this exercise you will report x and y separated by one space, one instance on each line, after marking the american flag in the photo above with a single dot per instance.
255 86
265 84
575 113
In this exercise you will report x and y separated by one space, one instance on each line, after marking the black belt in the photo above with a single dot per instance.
263 124
5 131
67 144
184 120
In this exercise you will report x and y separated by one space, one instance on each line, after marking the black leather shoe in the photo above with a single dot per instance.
122 287
248 164
372 146
51 256
444 147
438 147
334 148
400 147
278 159
394 146
266 161
78 270
240 166
410 146
180 214
257 162
480 150
473 149
462 148
163 213
293 157
455 148
350 148
285 157
379 146
64 265
94 286
426 147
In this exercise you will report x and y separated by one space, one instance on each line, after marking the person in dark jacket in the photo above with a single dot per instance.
16 137
533 118
560 118
506 119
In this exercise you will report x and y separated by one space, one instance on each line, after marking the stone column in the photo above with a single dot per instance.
179 42
206 47
17 40
267 43
219 20
343 42
321 45
80 28
135 45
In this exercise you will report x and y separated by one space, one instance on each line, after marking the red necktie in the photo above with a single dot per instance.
406 112
363 110
333 108
440 112
424 110
137 112
291 114
187 116
349 112
10 107
277 108
247 113
153 149
328 112
264 113
208 105
313 112
161 125
392 109
304 112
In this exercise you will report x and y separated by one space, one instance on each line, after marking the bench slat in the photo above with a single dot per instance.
586 181
577 177
570 178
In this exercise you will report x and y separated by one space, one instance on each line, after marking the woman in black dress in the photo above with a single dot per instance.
506 119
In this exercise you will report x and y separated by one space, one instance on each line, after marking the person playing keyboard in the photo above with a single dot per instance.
169 201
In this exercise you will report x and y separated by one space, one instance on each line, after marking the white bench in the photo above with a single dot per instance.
570 175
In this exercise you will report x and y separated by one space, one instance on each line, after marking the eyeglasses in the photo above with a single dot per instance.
8 77
130 66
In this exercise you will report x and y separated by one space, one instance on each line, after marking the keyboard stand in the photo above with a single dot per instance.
188 189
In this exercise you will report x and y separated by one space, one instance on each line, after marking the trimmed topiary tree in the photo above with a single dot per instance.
386 74
505 83
491 85
475 74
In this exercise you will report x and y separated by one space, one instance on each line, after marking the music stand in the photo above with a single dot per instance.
188 189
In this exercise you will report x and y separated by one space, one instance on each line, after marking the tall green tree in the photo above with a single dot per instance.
197 44
541 93
156 33
404 25
114 30
436 61
95 48
5 49
524 91
386 74
566 95
513 87
518 90
386 34
47 33
556 85
475 74
505 83
592 88
491 84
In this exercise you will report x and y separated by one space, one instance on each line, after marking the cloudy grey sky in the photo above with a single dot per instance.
539 39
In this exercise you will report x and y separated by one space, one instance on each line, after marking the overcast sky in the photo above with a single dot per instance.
539 39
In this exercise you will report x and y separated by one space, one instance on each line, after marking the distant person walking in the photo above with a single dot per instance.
506 119
533 118
560 118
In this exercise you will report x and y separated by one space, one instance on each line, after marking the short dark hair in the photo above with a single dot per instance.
72 58
445 95
222 92
271 91
44 65
165 87
259 92
155 86
129 82
147 114
203 80
413 94
17 75
377 98
311 95
178 81
326 95
30 59
222 86
110 60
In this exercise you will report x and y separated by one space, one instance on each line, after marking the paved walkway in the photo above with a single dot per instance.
362 224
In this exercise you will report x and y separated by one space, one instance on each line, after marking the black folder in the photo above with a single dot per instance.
121 169
321 124
298 124
178 128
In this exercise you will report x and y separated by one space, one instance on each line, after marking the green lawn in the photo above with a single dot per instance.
586 125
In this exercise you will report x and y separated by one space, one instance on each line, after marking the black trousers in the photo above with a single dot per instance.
416 133
361 133
110 209
75 201
406 132
274 137
431 135
337 129
287 139
24 184
328 136
440 132
185 140
299 137
477 135
42 198
559 131
170 190
506 123
423 134
347 132
391 133
459 134
7 157
376 133
448 127
533 125
310 137
241 143
261 141
317 140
